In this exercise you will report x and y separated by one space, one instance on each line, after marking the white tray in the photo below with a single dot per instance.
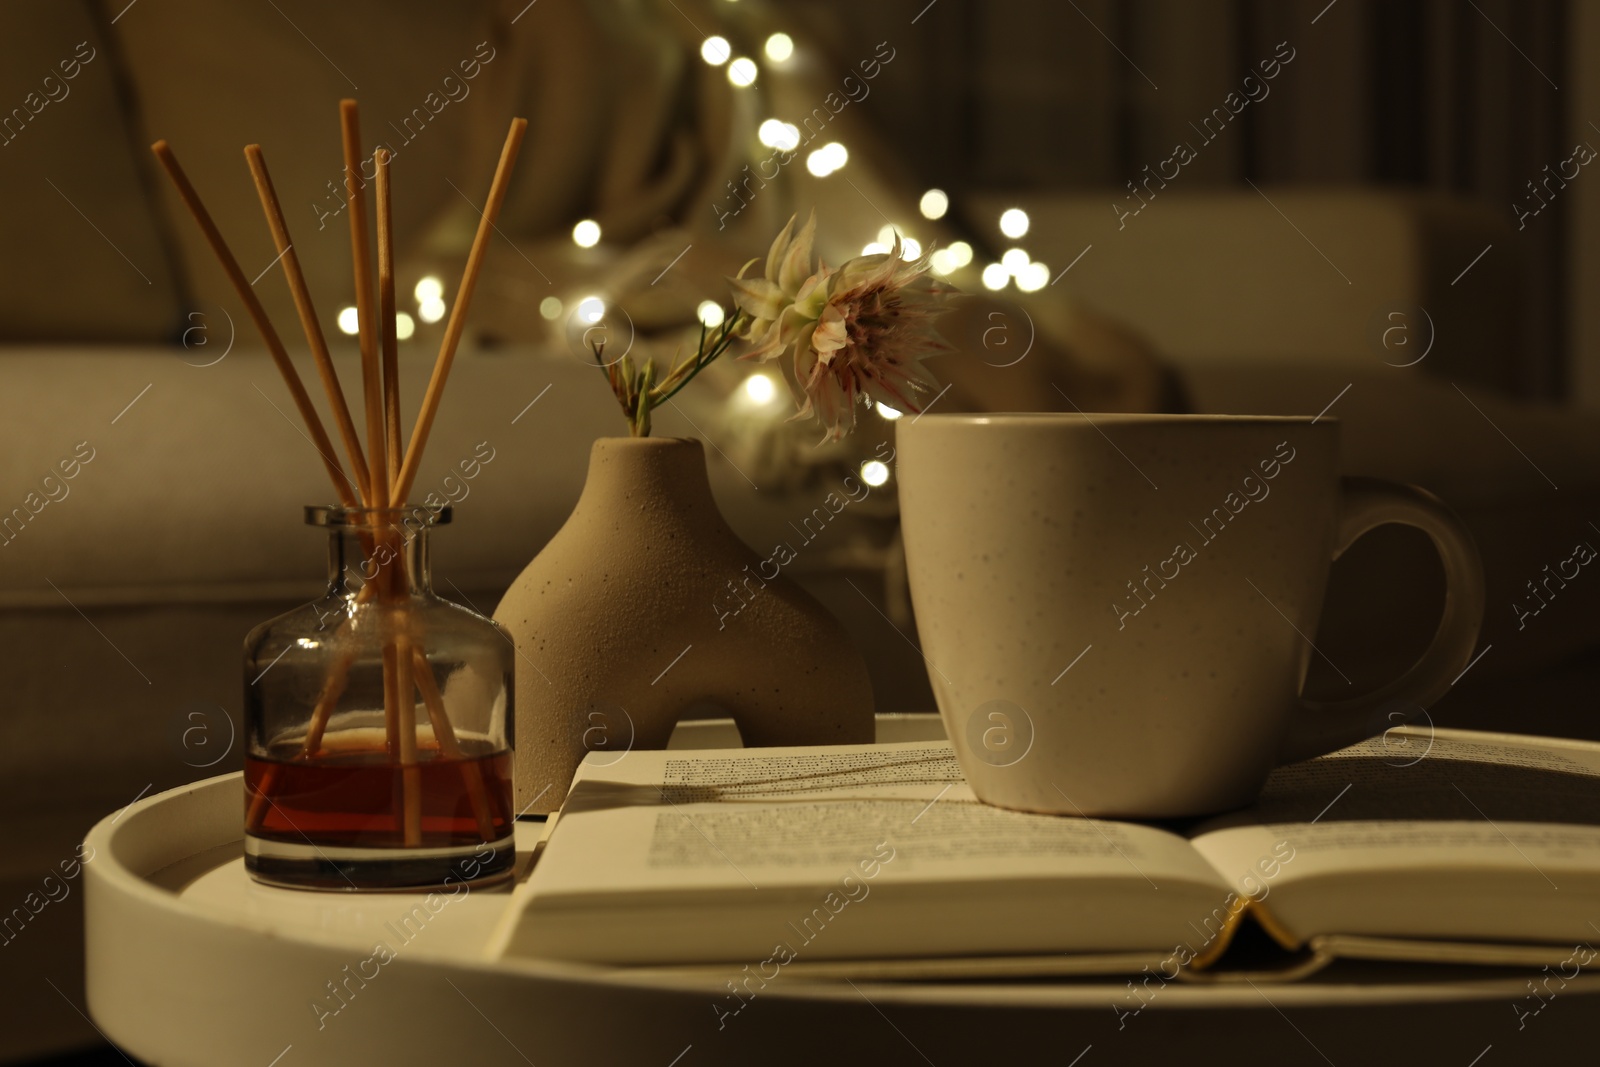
192 963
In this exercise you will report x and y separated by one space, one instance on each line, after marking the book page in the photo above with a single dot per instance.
904 772
1488 835
843 852
1444 776
789 814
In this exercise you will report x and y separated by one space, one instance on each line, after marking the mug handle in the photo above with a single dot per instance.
1368 503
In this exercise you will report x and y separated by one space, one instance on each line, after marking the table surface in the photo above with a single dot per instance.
172 912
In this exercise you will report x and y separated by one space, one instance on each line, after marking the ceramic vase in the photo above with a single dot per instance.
644 605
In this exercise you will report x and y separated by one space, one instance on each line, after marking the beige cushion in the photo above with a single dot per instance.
1309 276
283 93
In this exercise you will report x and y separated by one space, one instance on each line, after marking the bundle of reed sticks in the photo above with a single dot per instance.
385 471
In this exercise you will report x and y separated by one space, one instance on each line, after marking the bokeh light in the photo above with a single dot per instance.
591 309
760 388
716 51
709 313
1033 277
780 46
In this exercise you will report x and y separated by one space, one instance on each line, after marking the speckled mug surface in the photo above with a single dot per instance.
1117 610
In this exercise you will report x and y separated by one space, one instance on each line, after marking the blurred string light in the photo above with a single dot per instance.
404 326
429 292
951 258
760 388
934 203
586 234
775 133
716 51
888 412
1014 222
591 309
349 321
780 46
709 313
874 473
1029 275
827 159
550 307
1033 277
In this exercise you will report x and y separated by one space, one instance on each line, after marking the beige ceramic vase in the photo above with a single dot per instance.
645 604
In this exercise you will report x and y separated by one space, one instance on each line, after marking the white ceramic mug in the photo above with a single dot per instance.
1117 610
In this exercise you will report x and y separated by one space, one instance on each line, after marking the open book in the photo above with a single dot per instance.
876 860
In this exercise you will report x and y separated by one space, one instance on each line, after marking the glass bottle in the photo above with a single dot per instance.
379 722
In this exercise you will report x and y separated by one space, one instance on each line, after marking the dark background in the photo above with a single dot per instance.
1472 97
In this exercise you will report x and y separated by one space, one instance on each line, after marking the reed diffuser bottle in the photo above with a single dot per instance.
378 717
379 722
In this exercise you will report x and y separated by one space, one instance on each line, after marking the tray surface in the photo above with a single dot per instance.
171 907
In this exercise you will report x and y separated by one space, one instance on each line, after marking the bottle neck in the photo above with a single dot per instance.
394 558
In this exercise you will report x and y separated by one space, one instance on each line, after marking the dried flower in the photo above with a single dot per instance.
636 387
764 300
858 333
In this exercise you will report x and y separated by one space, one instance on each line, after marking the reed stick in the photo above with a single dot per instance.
391 722
334 683
445 734
308 315
339 668
410 771
458 310
386 317
361 255
404 694
400 740
258 315
333 688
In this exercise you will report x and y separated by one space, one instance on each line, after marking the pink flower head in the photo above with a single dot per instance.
859 333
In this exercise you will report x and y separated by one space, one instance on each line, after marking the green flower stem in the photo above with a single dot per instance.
639 393
641 418
704 359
